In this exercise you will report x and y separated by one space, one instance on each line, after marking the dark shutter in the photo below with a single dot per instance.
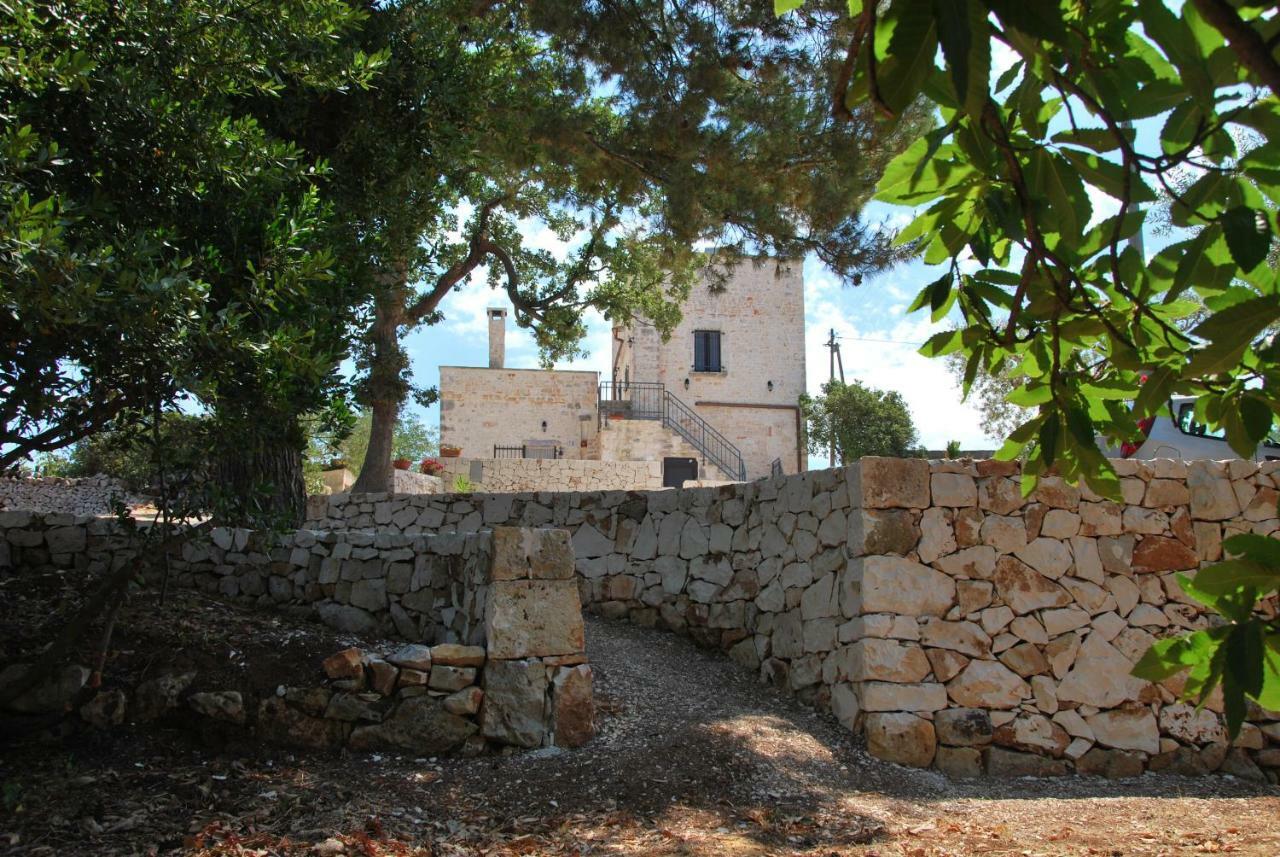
706 351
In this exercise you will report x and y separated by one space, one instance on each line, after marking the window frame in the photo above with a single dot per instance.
1186 414
705 337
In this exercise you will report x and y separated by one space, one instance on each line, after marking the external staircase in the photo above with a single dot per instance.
647 400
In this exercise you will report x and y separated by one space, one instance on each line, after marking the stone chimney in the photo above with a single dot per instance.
497 337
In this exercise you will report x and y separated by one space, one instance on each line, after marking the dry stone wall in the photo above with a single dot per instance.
528 684
927 604
508 667
94 495
422 588
412 482
509 475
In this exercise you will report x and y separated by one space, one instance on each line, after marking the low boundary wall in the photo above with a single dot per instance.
509 665
507 475
929 605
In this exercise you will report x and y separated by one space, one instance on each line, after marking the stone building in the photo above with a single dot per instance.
717 401
736 359
492 411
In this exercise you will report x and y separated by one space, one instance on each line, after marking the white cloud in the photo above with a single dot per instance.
878 346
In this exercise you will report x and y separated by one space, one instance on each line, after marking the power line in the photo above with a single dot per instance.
881 341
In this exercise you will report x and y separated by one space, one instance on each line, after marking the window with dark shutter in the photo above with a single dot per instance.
706 351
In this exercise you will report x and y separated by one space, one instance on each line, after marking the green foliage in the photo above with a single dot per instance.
953 449
483 121
1015 180
462 485
1011 180
129 453
412 439
1241 656
860 421
157 242
989 394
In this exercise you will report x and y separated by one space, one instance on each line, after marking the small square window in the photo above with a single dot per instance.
706 351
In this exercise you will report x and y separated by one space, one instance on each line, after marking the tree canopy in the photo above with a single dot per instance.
858 421
636 136
157 242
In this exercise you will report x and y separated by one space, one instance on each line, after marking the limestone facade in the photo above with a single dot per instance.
482 408
752 398
648 441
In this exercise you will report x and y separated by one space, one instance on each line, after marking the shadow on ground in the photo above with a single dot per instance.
693 757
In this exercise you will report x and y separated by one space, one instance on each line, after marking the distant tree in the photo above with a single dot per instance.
860 421
412 439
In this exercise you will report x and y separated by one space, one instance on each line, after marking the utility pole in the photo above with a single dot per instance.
833 345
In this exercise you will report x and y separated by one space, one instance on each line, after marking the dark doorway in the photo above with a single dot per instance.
676 470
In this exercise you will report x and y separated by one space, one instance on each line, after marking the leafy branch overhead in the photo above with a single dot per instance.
1030 197
1242 657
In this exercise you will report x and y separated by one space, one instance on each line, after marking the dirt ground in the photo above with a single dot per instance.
693 757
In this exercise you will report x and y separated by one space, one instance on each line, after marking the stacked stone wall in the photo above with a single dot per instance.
927 604
508 667
510 475
413 482
426 700
93 495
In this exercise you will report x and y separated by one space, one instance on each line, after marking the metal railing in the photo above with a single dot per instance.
528 451
648 400
636 400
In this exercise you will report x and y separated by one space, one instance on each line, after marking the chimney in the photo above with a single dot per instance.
497 337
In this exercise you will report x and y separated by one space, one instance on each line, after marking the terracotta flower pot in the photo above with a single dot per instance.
401 463
450 451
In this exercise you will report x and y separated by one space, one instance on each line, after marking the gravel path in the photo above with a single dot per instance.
693 757
689 741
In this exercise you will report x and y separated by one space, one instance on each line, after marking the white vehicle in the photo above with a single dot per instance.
1178 435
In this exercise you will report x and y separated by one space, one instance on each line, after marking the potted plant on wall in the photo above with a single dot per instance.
431 467
448 450
401 463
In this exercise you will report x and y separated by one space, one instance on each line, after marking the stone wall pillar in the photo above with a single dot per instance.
537 684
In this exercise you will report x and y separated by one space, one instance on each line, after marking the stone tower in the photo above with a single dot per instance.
737 358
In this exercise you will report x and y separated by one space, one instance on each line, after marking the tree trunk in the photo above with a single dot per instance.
376 472
386 390
266 477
